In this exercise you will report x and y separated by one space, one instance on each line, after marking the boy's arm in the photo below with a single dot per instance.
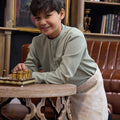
32 63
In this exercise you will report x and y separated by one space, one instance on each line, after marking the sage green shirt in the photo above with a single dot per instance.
64 59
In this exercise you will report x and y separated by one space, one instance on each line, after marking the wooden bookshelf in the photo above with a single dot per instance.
97 11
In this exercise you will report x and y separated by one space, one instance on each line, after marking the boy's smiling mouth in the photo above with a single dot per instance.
45 28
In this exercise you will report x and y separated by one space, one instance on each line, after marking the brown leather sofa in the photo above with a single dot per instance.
107 56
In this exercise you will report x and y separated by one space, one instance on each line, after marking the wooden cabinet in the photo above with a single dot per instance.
96 12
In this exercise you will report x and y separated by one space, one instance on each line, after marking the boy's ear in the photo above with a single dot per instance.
62 14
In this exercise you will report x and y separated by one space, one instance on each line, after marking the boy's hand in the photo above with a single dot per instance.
19 67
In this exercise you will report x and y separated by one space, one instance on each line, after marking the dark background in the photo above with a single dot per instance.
2 10
17 40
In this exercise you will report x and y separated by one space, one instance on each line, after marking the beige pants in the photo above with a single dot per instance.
90 102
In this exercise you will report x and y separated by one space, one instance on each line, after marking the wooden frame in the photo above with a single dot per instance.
22 18
67 9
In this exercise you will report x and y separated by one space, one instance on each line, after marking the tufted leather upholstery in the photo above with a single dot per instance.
107 55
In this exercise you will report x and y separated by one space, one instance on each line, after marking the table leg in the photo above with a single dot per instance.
65 101
32 107
39 106
68 113
36 111
64 106
63 110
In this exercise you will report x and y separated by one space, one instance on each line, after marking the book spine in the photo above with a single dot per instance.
107 24
118 23
119 29
104 24
114 24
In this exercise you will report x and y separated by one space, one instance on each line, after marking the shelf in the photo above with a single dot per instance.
103 3
98 36
104 7
105 35
7 28
20 29
32 30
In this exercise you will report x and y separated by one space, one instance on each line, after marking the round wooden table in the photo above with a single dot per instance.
43 91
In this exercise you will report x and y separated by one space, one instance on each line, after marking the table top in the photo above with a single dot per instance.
37 90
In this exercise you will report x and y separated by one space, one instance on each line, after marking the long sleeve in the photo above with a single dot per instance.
68 66
32 62
64 60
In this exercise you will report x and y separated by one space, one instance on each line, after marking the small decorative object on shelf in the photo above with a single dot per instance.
87 20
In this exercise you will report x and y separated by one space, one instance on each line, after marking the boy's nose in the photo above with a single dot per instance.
42 22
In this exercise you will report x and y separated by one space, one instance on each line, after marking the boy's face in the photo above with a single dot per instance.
49 23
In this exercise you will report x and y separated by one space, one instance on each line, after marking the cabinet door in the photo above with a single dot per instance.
2 43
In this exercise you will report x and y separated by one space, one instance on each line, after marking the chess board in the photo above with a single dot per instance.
9 81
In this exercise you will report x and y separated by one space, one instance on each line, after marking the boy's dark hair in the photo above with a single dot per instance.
46 5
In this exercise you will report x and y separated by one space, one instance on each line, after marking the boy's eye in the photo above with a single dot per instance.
47 16
37 18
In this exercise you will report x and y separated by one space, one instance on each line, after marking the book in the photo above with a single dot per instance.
119 29
103 24
114 24
107 23
118 23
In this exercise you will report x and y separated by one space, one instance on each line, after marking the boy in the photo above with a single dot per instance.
62 53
